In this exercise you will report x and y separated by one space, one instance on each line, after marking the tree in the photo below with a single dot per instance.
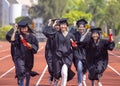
48 9
112 15
75 10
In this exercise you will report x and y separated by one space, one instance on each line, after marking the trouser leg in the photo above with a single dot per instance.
93 83
27 79
80 73
64 74
20 81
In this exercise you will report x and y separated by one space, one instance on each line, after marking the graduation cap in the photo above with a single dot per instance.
24 23
81 21
53 20
63 20
96 30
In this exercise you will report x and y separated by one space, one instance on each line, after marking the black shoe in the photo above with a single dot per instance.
50 79
33 73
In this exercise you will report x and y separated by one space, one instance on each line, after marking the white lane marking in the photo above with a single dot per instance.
7 72
43 73
4 57
4 50
111 66
40 49
114 70
114 54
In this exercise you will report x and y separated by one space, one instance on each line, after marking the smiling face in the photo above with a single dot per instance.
63 27
24 30
95 36
81 28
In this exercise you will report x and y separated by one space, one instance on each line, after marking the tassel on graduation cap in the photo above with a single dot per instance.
87 26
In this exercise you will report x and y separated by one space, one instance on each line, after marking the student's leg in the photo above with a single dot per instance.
20 71
99 83
80 73
93 84
64 74
27 79
84 80
20 81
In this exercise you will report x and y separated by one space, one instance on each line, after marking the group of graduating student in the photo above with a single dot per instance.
83 47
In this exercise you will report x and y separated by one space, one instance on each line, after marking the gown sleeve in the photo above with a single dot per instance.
35 45
109 45
49 31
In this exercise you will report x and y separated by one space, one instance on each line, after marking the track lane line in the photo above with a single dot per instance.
114 70
43 73
2 58
40 49
4 50
7 72
114 54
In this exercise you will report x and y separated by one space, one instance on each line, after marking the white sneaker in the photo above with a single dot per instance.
99 84
80 84
84 77
50 79
84 80
55 82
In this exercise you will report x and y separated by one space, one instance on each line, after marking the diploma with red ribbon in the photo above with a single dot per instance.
110 35
74 44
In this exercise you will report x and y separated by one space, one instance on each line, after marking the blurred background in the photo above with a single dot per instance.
99 13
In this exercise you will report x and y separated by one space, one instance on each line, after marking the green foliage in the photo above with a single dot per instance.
23 17
48 9
76 15
112 15
104 13
3 31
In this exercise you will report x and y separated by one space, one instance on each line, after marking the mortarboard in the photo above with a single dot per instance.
53 20
95 29
64 20
57 23
24 23
81 21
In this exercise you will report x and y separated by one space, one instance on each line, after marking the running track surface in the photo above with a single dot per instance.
111 76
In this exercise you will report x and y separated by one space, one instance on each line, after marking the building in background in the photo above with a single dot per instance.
39 29
11 9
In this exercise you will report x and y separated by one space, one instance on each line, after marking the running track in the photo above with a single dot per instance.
111 76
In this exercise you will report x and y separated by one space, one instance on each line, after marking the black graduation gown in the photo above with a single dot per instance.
23 57
49 49
63 53
80 53
97 57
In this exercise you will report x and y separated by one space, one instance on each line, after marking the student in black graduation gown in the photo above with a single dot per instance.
79 53
63 55
23 47
49 48
97 54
